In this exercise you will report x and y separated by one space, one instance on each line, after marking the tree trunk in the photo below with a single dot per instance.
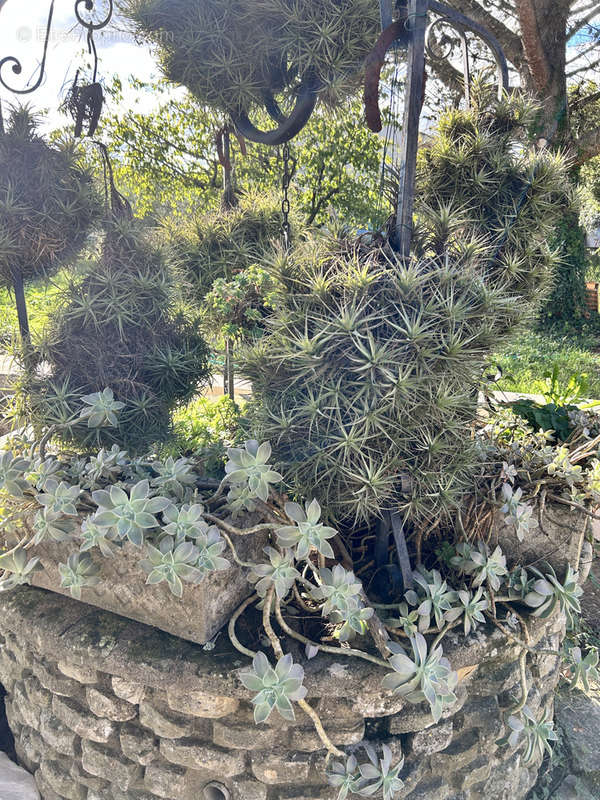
22 313
544 36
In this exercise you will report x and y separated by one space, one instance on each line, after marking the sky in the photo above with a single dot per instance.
22 33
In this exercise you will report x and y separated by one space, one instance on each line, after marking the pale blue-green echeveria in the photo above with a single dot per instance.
18 568
79 572
280 573
129 515
59 498
277 688
101 410
249 466
173 565
308 533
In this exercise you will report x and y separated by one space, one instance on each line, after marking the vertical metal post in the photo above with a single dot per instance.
466 69
415 84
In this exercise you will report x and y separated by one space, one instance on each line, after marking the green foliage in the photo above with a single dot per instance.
537 733
366 382
169 165
277 687
425 676
237 307
205 428
47 200
78 573
18 568
229 54
117 326
223 244
567 300
533 354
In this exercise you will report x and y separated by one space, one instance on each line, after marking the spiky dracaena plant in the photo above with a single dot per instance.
117 326
47 204
366 383
229 53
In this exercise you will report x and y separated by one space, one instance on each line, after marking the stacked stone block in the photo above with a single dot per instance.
103 708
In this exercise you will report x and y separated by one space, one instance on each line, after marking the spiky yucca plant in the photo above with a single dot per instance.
117 326
47 204
366 383
229 52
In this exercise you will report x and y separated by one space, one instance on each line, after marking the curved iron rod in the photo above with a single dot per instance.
17 67
288 126
459 21
89 6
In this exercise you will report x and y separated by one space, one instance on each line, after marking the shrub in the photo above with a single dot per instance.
366 383
47 204
566 303
118 326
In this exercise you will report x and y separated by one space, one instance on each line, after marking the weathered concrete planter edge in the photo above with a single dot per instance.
155 658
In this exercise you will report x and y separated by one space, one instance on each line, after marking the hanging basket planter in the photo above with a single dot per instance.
239 55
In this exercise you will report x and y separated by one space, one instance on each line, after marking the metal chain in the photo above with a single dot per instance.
285 203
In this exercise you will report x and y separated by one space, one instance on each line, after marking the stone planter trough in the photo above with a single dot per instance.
197 616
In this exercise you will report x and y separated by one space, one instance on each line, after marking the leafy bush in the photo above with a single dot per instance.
204 429
567 300
117 325
366 382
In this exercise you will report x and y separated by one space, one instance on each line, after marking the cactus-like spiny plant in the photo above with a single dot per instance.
47 204
366 382
229 53
118 326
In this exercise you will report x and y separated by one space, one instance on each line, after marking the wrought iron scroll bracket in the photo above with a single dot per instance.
17 67
287 127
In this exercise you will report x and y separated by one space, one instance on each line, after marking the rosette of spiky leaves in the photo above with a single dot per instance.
520 583
174 476
53 525
78 573
438 601
353 620
308 533
470 608
339 589
368 371
223 248
407 619
47 200
92 535
105 466
345 777
277 687
426 676
129 516
229 55
12 473
210 545
185 522
59 498
582 669
537 733
516 513
18 568
249 466
101 409
172 564
280 573
483 565
117 325
43 469
548 592
379 775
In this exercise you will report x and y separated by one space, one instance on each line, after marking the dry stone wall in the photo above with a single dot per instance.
104 708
